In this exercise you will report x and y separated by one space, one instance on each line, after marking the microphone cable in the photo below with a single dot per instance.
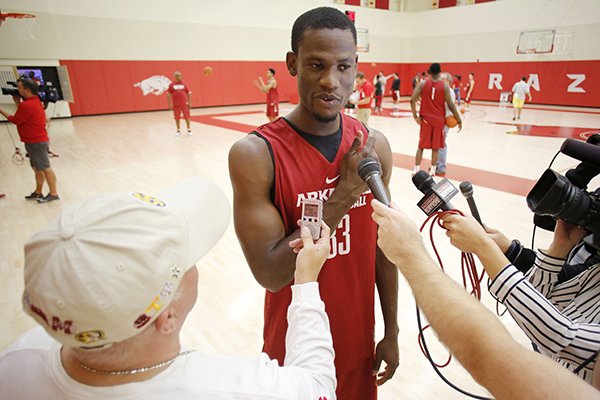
535 226
17 158
470 276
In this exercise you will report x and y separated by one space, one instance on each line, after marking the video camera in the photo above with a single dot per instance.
47 93
565 197
13 91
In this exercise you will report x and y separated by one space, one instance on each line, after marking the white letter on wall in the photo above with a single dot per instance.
534 82
574 86
495 81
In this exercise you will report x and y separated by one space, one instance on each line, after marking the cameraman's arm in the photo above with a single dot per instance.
20 117
551 330
544 275
6 115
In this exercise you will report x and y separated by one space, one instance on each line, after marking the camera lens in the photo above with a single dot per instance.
556 196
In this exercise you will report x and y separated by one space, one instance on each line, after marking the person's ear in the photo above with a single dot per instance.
166 323
291 61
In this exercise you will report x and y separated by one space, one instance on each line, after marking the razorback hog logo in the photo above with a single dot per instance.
156 84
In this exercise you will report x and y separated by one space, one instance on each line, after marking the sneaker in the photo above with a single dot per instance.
189 133
48 198
177 134
440 174
34 195
2 195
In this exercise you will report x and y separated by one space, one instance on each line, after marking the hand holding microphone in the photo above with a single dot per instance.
369 170
466 233
467 190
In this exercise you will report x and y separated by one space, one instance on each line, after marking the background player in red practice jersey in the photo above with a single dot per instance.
270 88
469 87
313 152
435 94
179 98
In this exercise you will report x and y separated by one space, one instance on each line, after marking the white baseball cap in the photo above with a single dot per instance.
106 268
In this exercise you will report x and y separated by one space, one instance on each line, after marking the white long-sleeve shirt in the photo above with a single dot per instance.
562 320
31 368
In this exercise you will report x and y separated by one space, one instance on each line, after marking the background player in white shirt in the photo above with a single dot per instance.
520 89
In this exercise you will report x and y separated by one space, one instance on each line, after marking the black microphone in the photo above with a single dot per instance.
437 195
582 151
370 171
467 190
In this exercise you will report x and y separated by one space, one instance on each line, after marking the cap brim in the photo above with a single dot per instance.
205 209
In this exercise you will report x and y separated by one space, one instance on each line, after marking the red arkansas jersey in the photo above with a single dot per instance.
433 102
347 280
179 91
272 96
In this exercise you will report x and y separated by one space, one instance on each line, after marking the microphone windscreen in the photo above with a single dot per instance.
466 188
367 166
423 181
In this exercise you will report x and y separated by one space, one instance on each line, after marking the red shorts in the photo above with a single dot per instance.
395 95
467 100
177 110
378 100
358 384
272 109
430 136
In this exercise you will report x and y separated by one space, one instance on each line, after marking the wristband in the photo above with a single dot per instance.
513 250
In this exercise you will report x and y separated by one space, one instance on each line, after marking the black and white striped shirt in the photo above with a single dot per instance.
562 319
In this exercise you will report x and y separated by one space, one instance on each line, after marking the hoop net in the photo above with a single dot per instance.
21 24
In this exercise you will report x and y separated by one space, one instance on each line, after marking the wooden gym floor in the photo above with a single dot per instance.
138 152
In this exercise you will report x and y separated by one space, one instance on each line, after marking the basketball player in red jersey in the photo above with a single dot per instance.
313 153
469 91
435 94
270 88
179 98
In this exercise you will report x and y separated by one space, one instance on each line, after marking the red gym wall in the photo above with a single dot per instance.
567 83
105 87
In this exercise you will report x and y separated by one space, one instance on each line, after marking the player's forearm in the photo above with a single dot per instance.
454 111
386 278
273 266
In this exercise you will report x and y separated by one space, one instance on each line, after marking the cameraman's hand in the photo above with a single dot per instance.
498 237
465 233
566 236
311 256
16 99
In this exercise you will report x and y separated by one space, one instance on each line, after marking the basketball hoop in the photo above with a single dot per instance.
20 23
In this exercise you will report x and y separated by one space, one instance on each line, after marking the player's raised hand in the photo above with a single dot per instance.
350 183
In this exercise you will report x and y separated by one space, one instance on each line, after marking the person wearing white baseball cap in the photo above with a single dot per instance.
111 282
